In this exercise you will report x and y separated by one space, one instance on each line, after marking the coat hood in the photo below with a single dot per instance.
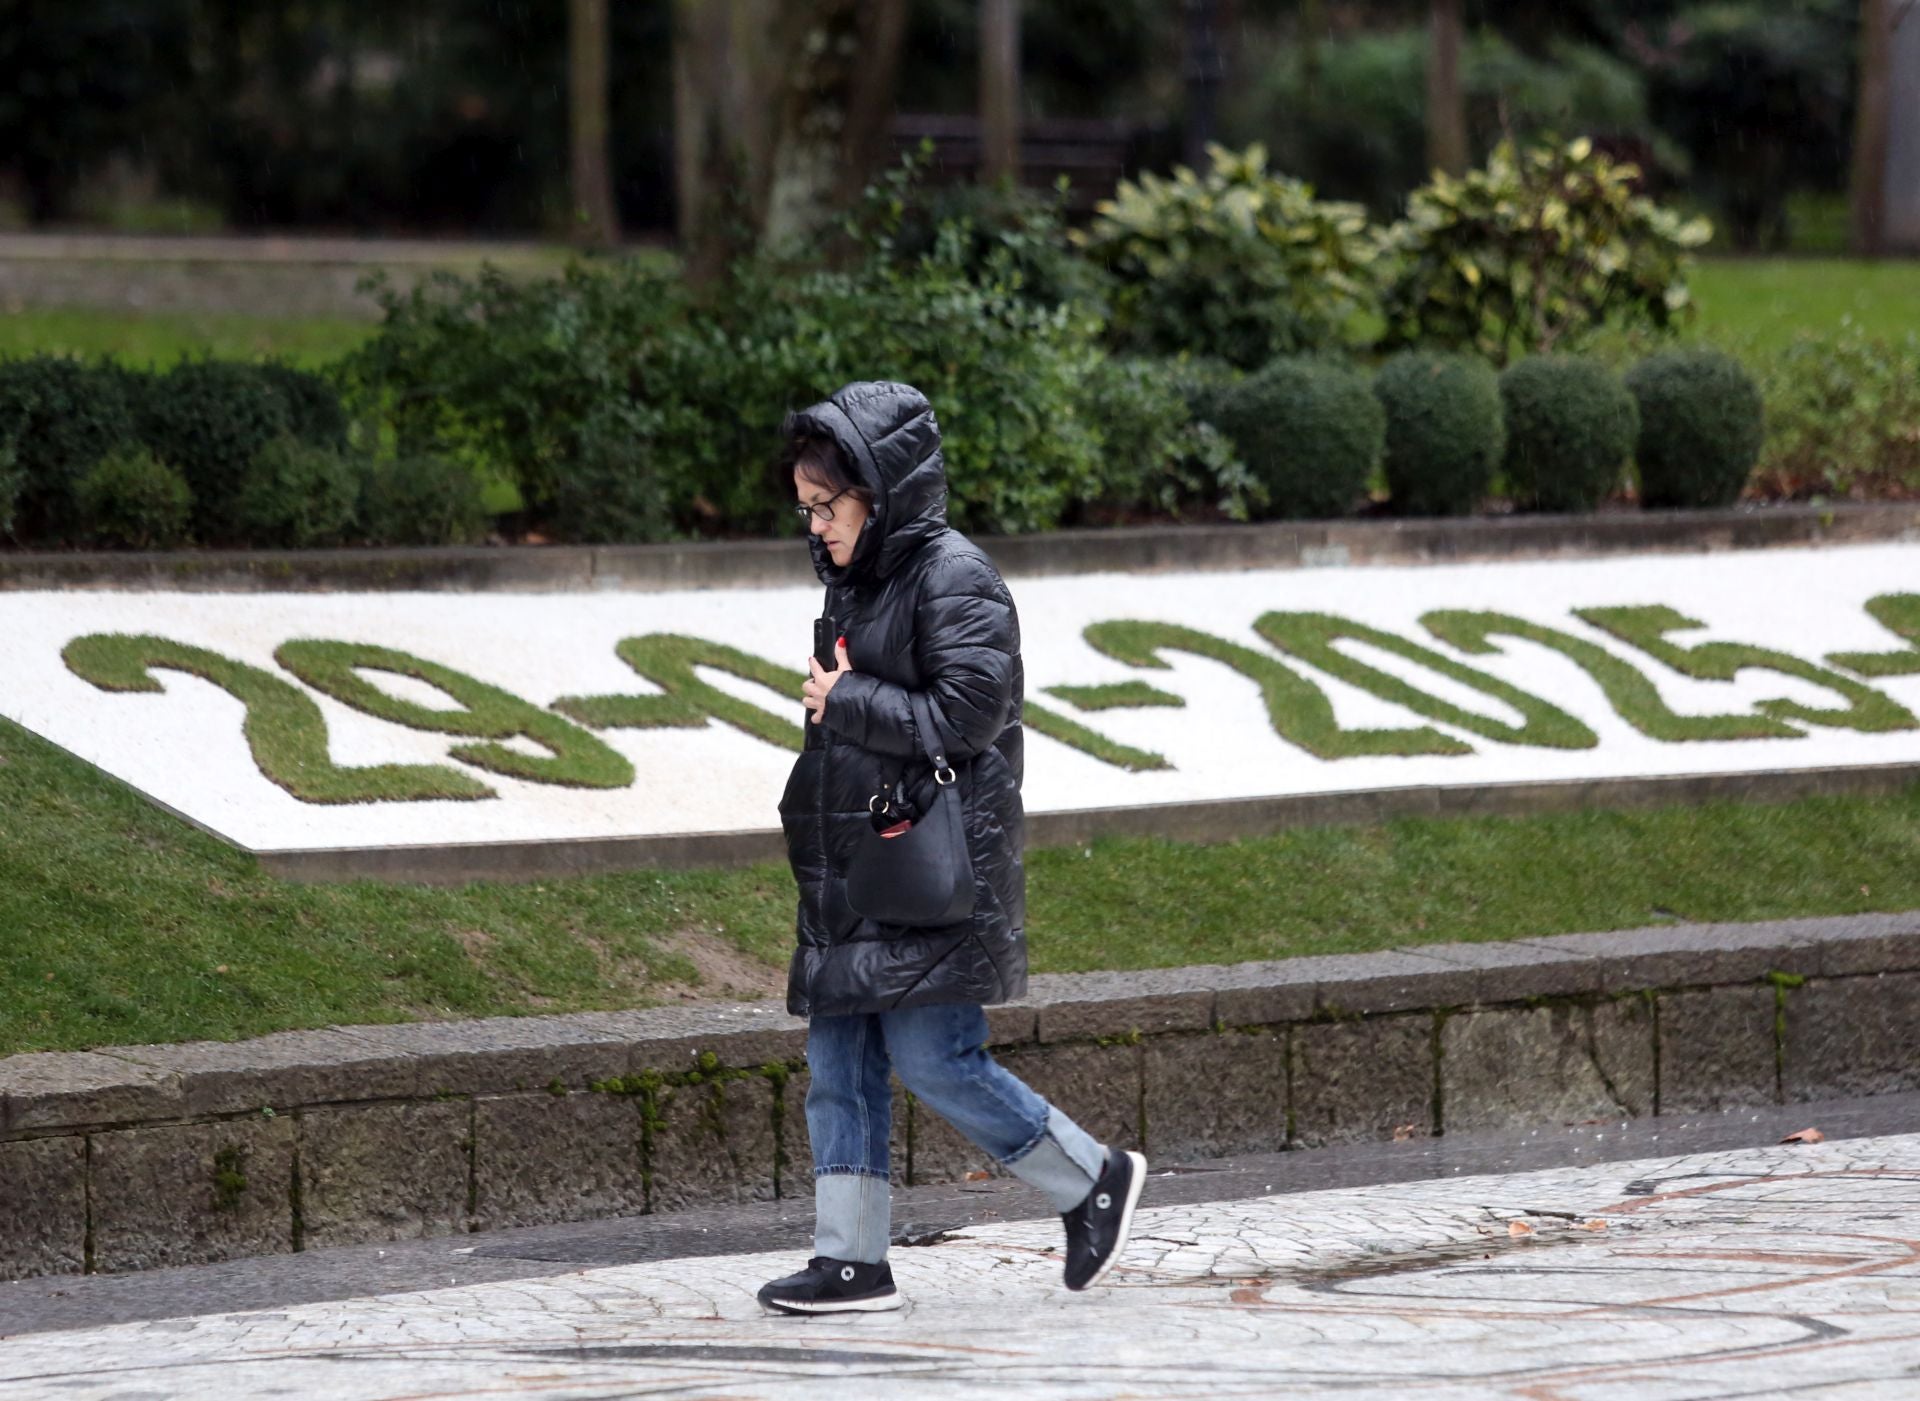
888 433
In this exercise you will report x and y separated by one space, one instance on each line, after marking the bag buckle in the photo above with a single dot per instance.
946 781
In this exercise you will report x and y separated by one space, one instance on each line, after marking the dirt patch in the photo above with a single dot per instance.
722 970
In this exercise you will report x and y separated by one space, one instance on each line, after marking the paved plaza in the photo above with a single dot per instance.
1777 1270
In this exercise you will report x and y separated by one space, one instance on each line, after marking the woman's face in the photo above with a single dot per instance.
849 515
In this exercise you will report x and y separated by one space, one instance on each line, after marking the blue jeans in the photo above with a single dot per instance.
941 1056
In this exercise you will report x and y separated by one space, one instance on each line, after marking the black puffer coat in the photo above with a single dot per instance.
922 609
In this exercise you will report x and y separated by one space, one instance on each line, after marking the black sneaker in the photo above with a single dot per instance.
833 1286
1097 1228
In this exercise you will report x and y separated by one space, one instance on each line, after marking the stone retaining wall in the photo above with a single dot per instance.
1140 549
133 1157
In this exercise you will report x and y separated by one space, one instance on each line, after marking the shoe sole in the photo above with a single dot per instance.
1134 1186
871 1303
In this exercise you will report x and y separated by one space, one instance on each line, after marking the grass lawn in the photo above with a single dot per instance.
120 924
161 338
1765 302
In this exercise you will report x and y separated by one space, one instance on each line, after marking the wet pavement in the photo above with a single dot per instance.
1726 1266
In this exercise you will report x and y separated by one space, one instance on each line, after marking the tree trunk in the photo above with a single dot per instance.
1867 186
1446 101
1000 90
780 109
875 78
596 224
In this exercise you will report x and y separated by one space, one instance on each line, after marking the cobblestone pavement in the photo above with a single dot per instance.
1767 1271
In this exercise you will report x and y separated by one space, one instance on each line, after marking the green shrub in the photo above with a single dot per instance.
315 414
60 416
1445 432
420 501
1531 252
296 496
1310 432
211 419
1842 416
1701 427
129 497
992 233
1235 263
1570 425
612 493
1156 454
511 375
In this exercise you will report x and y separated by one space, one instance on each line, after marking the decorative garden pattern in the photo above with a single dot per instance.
302 721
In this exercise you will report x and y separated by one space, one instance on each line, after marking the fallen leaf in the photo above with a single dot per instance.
1595 1225
1805 1136
219 967
978 1176
1519 1228
1403 1132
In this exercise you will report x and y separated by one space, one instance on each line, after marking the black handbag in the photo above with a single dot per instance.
922 876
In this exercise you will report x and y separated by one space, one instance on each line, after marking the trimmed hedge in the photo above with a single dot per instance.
211 419
61 416
1701 427
1570 426
1445 431
296 496
1310 432
129 497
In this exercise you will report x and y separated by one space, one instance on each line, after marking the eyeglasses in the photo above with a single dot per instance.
822 510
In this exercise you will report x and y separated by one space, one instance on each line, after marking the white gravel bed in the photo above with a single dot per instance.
185 748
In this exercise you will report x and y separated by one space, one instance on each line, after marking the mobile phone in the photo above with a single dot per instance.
825 634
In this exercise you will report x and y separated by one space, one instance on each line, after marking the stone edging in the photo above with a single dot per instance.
781 563
139 1156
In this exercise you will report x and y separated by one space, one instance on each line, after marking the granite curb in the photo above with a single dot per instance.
1138 549
387 1132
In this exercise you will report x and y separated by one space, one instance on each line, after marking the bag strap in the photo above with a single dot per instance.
932 740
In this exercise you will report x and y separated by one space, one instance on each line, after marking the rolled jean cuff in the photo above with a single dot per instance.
1063 1161
852 1215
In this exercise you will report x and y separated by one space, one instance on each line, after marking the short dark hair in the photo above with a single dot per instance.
821 459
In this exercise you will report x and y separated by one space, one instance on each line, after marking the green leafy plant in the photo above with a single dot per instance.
129 497
1842 416
314 412
296 496
1445 431
1156 453
1237 262
1531 251
1310 432
1701 427
420 500
1570 425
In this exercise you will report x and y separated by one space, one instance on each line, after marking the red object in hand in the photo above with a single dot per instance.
896 830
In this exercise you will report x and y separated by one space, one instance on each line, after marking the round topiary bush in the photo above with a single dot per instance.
1701 426
57 418
1310 432
1445 431
296 496
421 501
1570 425
211 419
130 497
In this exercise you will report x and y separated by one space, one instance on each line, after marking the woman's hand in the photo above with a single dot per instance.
820 681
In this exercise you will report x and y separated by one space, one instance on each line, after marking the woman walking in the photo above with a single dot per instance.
928 641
